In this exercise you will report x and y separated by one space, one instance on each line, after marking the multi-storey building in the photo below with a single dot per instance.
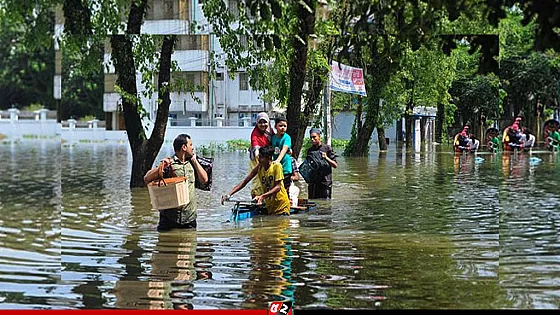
217 95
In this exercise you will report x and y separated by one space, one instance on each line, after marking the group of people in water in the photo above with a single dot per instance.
272 172
273 168
512 138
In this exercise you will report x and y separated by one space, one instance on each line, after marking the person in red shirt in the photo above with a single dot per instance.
260 137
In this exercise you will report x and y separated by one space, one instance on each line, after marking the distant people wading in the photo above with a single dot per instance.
183 163
321 186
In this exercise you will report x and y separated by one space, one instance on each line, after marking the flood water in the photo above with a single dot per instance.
428 230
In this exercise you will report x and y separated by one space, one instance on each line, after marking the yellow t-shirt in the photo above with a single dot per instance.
278 203
256 186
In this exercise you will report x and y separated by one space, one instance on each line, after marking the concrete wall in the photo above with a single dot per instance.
342 128
17 130
28 129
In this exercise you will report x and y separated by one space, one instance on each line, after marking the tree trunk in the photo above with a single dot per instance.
380 74
361 145
423 129
381 138
440 116
126 79
317 85
399 134
409 118
359 112
164 78
298 64
409 122
143 151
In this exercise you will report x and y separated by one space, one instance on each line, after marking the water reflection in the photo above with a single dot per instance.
271 263
170 270
29 225
426 229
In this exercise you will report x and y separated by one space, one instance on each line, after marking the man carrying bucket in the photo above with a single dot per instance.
183 163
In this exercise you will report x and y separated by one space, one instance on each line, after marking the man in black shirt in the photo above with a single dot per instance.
321 186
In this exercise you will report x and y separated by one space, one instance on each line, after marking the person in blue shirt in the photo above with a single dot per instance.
282 144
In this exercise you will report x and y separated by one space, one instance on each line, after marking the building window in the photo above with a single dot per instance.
243 81
187 81
190 78
190 42
162 10
219 76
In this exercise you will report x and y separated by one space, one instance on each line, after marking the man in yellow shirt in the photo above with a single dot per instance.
271 177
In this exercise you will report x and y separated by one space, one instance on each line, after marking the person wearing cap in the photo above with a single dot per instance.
321 188
260 138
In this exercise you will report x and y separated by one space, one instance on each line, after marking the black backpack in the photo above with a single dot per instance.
314 168
207 164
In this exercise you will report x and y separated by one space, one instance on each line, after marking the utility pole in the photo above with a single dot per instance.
327 130
323 11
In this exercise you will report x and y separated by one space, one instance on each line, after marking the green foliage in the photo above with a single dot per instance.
477 97
305 146
238 144
210 149
82 78
530 78
33 107
342 102
424 77
26 54
230 146
87 118
267 29
515 39
472 21
527 75
339 143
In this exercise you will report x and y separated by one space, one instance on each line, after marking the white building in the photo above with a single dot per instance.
230 99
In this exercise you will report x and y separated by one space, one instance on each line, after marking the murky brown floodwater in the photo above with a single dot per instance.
426 230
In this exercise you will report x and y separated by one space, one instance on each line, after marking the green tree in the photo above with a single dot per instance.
529 77
82 85
275 53
130 52
382 32
26 55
